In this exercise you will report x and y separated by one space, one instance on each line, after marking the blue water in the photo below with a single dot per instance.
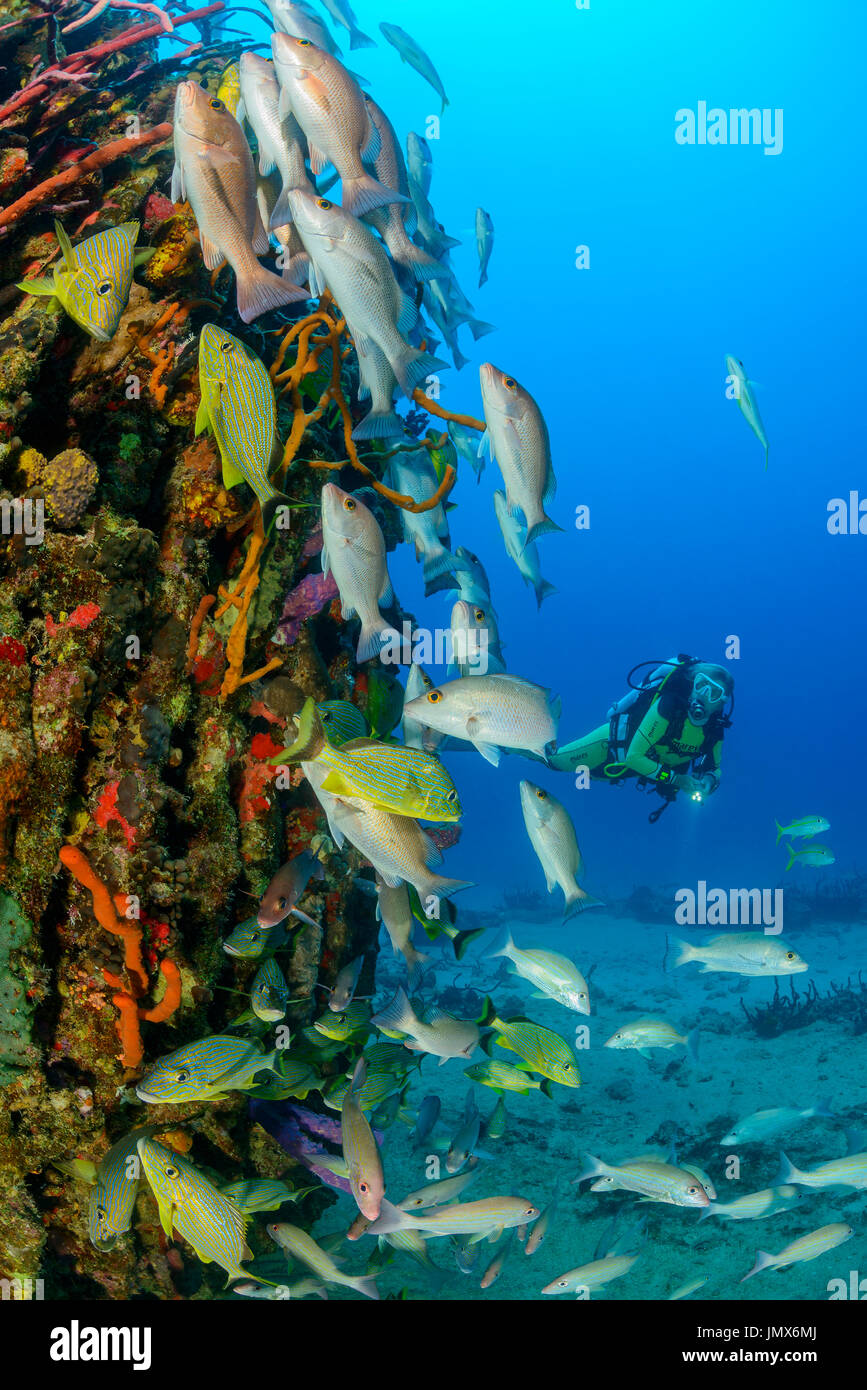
561 124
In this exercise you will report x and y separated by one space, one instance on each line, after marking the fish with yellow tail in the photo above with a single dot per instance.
645 1034
302 1247
544 1051
214 172
204 1070
517 437
189 1204
807 1247
238 408
407 781
92 280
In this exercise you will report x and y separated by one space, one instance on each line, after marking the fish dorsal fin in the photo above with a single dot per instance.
65 247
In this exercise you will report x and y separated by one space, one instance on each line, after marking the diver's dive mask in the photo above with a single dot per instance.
707 694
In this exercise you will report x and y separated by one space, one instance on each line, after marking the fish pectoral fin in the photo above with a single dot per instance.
232 476
203 419
142 255
337 784
318 160
42 284
166 1211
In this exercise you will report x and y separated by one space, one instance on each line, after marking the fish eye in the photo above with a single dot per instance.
226 346
434 697
691 1190
363 1187
479 615
172 1172
100 1212
281 903
183 1076
304 43
531 1211
452 796
104 288
790 955
216 104
349 504
510 383
542 795
324 203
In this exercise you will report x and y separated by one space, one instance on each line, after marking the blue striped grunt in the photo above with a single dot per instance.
258 1194
544 1051
112 1197
93 279
269 995
239 409
210 1222
205 1069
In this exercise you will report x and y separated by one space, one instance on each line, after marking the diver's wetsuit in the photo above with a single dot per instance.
653 744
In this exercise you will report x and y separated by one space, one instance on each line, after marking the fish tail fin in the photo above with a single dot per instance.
504 946
793 854
379 426
577 901
540 528
260 290
373 637
545 590
270 509
686 952
480 329
591 1169
709 1210
296 269
357 39
413 367
463 939
438 564
443 887
364 193
422 265
414 964
366 1284
546 1088
282 214
483 278
763 1260
822 1110
787 1173
488 1014
397 1014
780 832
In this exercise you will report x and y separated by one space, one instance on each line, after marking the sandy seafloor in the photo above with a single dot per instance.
627 1104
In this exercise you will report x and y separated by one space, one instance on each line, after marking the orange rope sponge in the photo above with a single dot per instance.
172 997
103 910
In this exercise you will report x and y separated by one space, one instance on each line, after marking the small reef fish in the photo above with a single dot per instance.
495 1268
690 1287
395 222
286 887
544 1051
439 1033
394 912
647 1033
329 106
495 1125
419 161
269 993
341 11
258 1194
476 646
229 88
660 1182
411 53
112 1197
412 474
466 442
204 1070
437 1194
303 1248
591 1276
345 985
744 393
465 1218
517 437
553 837
818 858
361 1150
484 243
525 556
92 280
541 1227
237 406
755 1206
214 173
300 22
279 139
248 940
426 1117
353 264
555 976
741 953
491 712
850 1171
417 735
464 1143
353 549
405 780
210 1222
471 579
767 1124
807 1247
803 829
340 1027
341 721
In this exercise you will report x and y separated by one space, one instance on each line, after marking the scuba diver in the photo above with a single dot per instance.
667 732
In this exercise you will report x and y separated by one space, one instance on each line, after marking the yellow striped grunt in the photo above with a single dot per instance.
436 1194
211 1223
544 1051
808 1247
205 1069
229 88
502 1076
239 409
754 1206
269 994
303 1248
93 279
258 1194
111 1200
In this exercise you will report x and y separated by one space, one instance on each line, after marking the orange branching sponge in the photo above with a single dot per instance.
434 408
125 1000
240 598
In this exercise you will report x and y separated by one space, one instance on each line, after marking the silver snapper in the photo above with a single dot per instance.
397 847
517 437
491 712
280 138
214 172
413 475
525 556
396 222
553 837
353 549
329 106
352 262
